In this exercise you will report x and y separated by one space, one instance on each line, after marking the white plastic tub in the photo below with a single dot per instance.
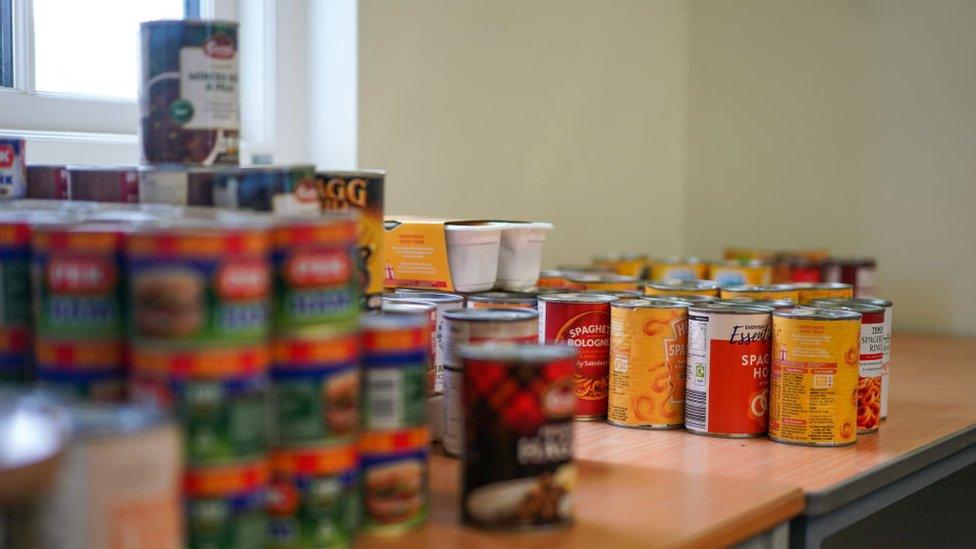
472 255
520 255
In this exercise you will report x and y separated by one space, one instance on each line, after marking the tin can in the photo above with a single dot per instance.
177 185
775 304
16 359
804 270
767 292
809 292
361 191
727 378
314 272
694 299
398 306
47 181
617 293
78 281
103 183
554 279
87 368
627 264
678 268
13 172
225 505
119 481
189 100
394 371
199 283
444 302
477 327
394 477
754 272
648 341
581 321
313 500
681 287
603 282
813 392
315 389
518 471
859 272
496 300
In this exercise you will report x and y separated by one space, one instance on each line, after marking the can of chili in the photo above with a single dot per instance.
518 471
821 290
103 183
648 341
727 378
225 504
596 282
767 291
496 300
678 268
477 327
394 371
813 391
581 321
444 302
189 100
47 181
670 288
394 477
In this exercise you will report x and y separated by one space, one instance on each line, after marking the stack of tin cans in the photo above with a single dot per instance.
315 372
394 442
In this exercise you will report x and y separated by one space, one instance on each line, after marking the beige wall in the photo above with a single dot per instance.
847 124
569 111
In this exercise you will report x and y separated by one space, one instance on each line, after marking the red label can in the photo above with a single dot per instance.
581 321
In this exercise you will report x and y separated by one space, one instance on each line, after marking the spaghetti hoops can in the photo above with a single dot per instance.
648 340
727 379
813 392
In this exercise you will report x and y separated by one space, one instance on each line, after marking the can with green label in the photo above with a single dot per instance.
225 505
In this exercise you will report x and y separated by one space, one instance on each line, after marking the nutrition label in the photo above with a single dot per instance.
696 373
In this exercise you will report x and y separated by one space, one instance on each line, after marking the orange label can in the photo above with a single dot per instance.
814 378
648 340
824 290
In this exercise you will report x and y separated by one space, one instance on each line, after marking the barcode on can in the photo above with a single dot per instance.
384 399
695 409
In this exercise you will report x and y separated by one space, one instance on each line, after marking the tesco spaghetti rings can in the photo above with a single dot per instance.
678 268
314 272
767 291
88 368
727 379
444 302
225 504
477 327
315 389
394 371
598 282
648 340
670 288
813 390
313 500
495 300
821 290
393 479
518 471
581 321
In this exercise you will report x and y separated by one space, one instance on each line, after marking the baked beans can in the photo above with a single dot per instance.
47 181
597 282
189 99
727 377
103 183
496 300
178 185
87 368
394 371
735 272
225 504
13 172
775 304
518 471
394 479
444 302
678 268
78 281
627 264
821 290
119 481
314 272
477 327
859 272
767 291
553 279
814 382
581 321
362 191
648 342
664 287
313 500
199 283
315 389
16 361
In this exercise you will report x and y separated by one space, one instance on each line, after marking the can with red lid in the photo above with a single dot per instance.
581 321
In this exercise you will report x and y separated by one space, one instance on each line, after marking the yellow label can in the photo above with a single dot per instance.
766 291
823 290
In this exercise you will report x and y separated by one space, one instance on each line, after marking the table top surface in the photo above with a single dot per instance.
932 414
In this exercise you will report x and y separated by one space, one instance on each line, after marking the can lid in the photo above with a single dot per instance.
367 173
430 297
406 307
774 303
760 288
651 302
578 297
863 308
380 322
503 297
606 278
489 314
617 293
813 313
865 300
692 298
671 284
730 308
821 286
518 353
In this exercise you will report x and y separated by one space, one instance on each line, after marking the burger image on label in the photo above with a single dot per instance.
342 402
168 302
395 492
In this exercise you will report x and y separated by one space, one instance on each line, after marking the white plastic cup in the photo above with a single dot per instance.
472 255
520 255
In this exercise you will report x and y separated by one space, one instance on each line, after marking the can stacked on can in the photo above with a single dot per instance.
315 382
199 308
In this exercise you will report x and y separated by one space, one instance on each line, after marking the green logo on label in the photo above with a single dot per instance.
181 111
700 370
